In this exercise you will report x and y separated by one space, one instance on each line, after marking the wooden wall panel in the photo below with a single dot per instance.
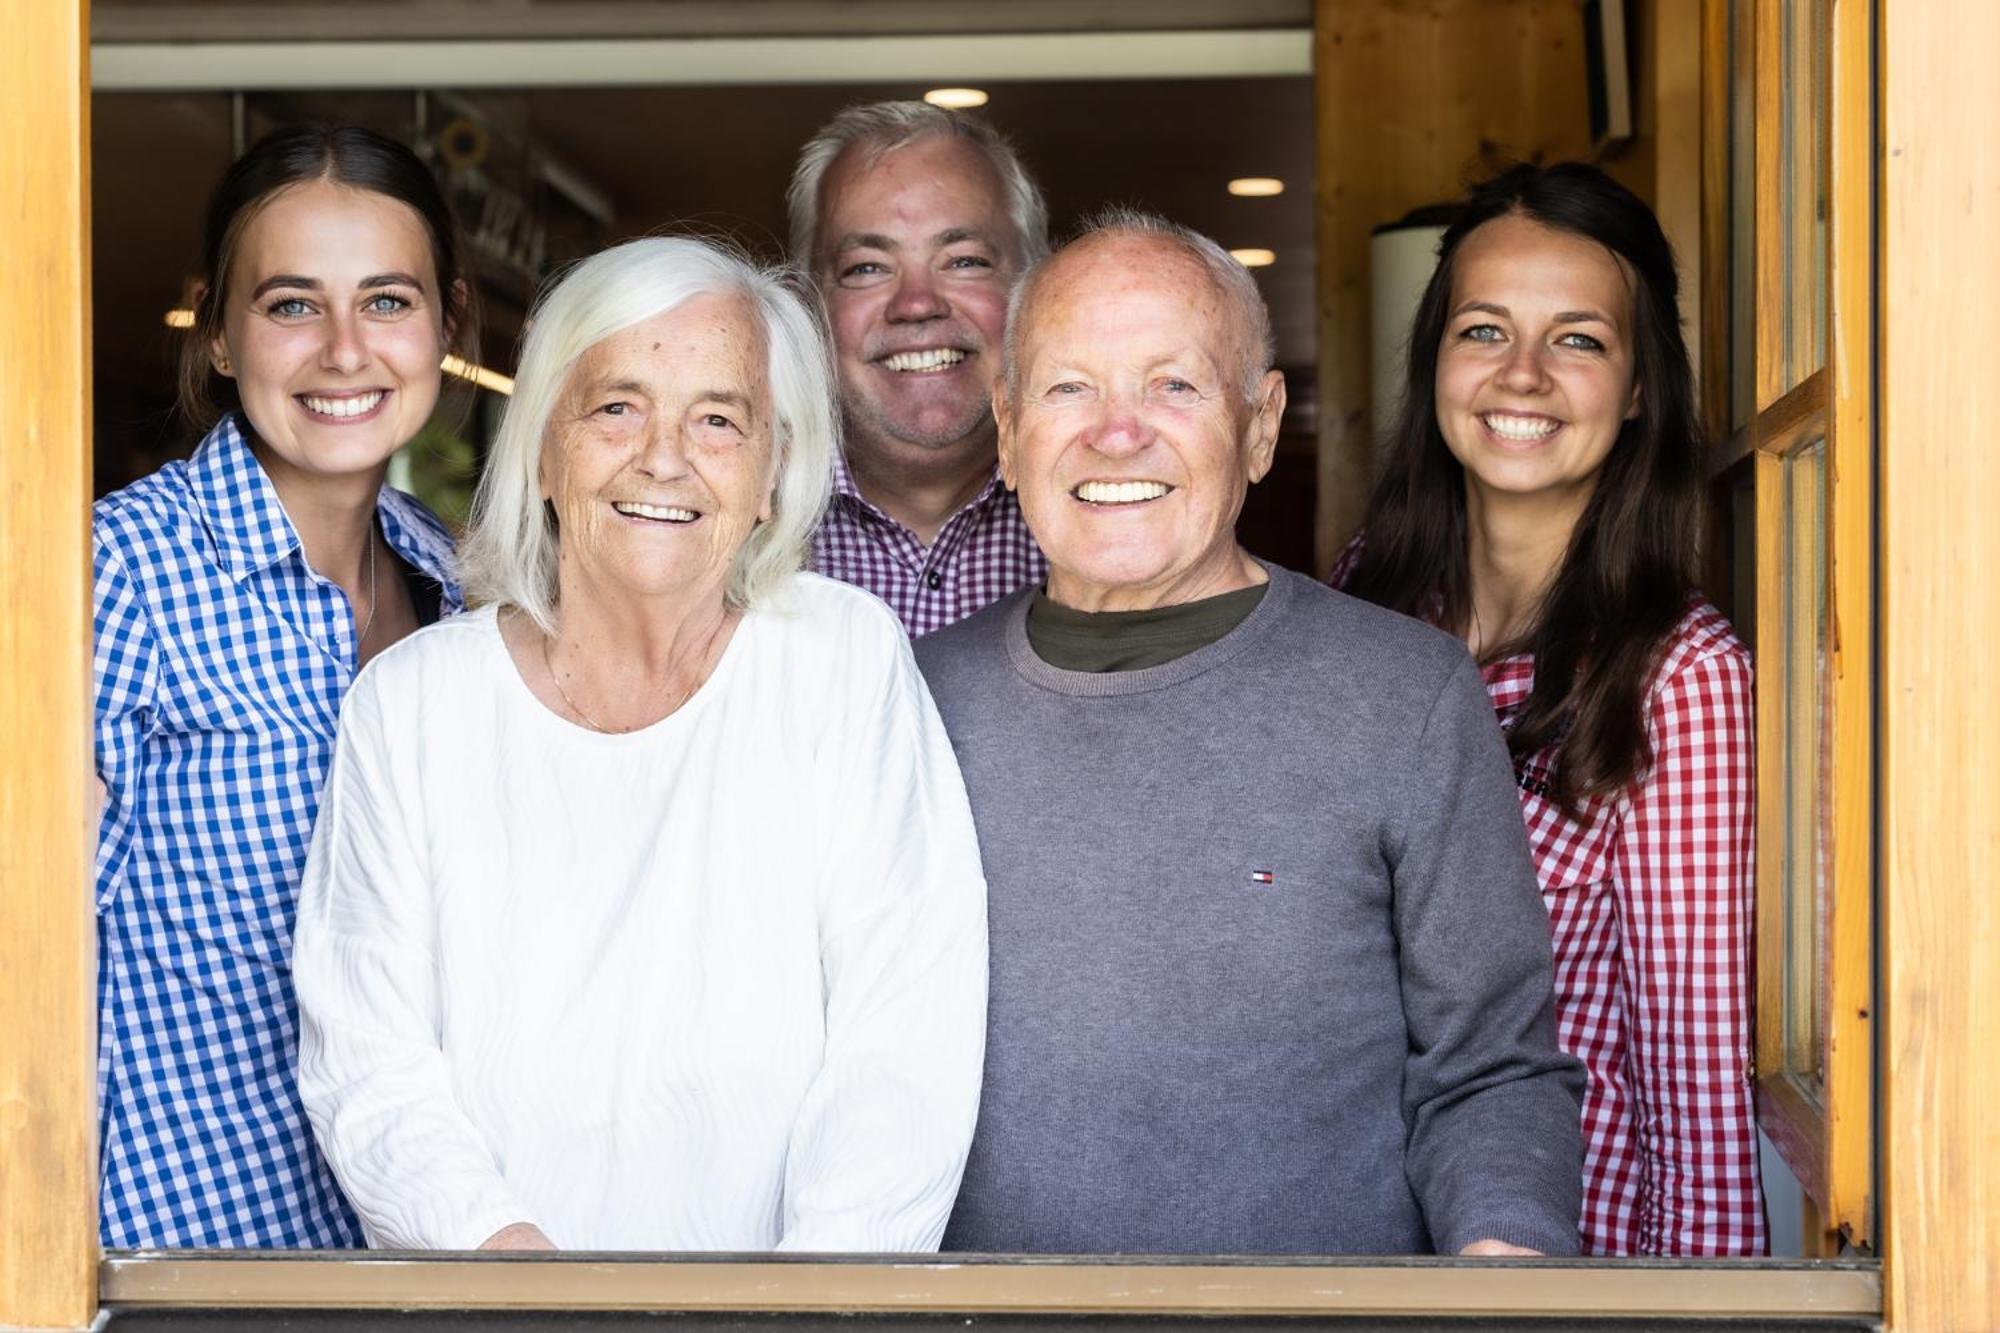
1940 480
1662 161
1413 100
48 1222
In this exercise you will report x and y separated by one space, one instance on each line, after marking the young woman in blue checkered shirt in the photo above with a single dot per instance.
236 595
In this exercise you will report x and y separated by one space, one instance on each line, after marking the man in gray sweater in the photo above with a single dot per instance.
1270 970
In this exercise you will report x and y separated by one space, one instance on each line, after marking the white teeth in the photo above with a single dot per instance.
663 513
1120 492
359 405
1520 428
932 358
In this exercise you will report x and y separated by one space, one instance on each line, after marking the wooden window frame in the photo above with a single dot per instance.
1942 1192
1825 1133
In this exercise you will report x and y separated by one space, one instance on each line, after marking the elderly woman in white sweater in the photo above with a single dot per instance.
644 910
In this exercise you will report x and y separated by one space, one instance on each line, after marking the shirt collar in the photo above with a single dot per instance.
1509 680
843 485
415 534
252 531
239 503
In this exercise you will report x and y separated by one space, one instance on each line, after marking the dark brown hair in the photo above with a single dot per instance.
293 155
1624 582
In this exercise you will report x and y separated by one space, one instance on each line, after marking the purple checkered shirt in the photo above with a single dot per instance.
982 553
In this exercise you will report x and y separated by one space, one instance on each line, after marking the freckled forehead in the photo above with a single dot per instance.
707 335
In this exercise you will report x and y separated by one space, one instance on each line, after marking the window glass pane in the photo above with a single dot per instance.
1805 762
1813 352
1742 216
1738 490
1803 75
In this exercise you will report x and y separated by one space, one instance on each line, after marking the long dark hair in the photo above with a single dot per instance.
293 155
1625 579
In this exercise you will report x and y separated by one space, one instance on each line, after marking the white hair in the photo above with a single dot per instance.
508 556
1232 281
883 127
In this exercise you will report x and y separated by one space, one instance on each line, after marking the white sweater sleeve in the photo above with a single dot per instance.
370 1068
881 1139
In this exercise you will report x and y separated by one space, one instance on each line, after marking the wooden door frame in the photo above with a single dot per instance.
48 1010
1939 256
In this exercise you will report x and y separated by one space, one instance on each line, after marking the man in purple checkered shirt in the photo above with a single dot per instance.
914 222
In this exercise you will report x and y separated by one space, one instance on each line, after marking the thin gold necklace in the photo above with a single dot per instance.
373 604
548 664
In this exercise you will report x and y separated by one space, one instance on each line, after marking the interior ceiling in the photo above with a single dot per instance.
408 20
720 157
717 159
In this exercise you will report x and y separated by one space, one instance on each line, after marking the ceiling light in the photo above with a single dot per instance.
1254 258
956 99
491 380
1256 187
181 318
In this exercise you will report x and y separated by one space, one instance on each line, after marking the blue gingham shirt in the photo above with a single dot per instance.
221 659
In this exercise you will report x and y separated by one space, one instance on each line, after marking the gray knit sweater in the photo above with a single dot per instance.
1270 973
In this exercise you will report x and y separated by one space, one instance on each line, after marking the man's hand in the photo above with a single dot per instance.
1490 1248
528 1236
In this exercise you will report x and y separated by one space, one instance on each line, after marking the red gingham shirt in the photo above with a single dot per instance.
982 553
1652 905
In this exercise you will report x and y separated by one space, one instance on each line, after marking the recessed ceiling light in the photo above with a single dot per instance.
1256 187
957 99
181 318
1254 258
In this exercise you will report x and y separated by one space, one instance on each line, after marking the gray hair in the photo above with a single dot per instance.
1233 281
508 557
883 127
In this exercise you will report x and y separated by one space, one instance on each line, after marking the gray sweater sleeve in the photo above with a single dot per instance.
1495 1147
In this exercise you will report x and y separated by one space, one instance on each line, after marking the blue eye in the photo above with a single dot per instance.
861 273
387 303
1583 342
1482 333
288 307
969 261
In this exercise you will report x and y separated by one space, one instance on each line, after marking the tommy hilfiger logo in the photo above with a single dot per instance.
1261 877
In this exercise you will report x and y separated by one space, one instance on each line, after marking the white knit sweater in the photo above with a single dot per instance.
715 985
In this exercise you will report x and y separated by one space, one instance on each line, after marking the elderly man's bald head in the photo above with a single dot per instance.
1234 287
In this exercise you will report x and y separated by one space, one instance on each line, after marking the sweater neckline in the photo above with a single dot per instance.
1095 684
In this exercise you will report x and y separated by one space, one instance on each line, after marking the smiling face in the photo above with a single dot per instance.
1128 438
658 456
333 329
1535 376
917 256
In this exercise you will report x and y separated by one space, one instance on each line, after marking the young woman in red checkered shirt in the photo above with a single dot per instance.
1541 497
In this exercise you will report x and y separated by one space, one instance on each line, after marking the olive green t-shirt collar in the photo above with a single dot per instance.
1101 641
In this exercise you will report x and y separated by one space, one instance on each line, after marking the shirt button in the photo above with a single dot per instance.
934 580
